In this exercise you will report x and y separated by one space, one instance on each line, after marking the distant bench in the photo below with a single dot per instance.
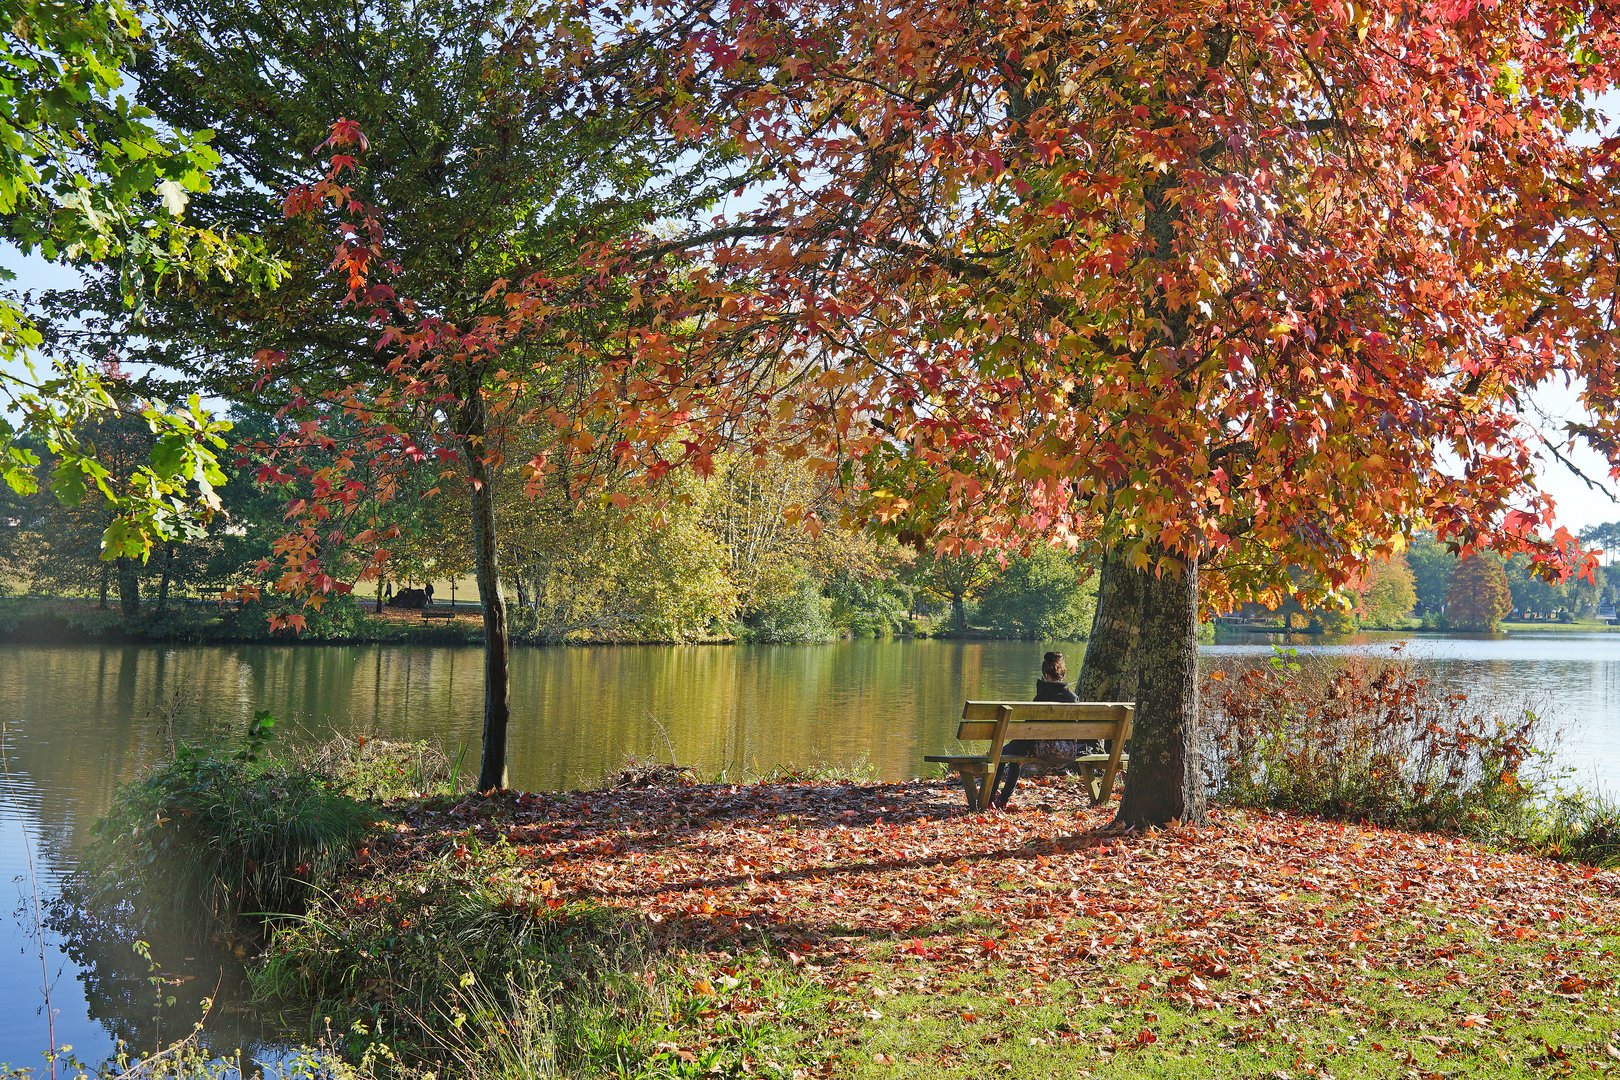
999 722
426 614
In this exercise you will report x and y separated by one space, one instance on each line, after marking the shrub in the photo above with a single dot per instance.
796 615
1368 740
1575 826
240 834
1333 622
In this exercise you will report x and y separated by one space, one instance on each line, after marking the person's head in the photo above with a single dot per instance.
1053 668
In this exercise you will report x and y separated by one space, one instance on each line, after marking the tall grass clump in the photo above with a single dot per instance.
224 835
382 770
466 963
1576 826
1370 740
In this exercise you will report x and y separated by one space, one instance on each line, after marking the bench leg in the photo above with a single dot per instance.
1093 778
974 786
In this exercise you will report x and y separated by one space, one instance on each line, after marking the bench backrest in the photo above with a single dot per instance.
1047 720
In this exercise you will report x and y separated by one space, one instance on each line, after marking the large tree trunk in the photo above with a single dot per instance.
1165 782
1108 672
129 587
958 611
486 564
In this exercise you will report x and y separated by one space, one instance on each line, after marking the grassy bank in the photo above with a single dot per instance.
68 620
53 620
805 929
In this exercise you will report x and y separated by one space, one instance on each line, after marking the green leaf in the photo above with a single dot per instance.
169 455
68 481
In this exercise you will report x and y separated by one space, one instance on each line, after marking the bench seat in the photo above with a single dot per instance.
1000 722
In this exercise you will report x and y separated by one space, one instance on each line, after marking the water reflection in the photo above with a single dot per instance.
77 721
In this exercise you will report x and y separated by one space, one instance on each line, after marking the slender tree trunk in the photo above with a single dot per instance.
486 564
377 606
166 578
523 599
1165 780
1108 672
106 574
129 587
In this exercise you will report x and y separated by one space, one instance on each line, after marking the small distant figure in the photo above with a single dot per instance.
429 592
1051 686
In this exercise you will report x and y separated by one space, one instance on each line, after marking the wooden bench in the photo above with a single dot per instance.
1000 722
429 614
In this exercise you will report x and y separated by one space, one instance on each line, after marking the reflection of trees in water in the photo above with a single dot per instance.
148 1001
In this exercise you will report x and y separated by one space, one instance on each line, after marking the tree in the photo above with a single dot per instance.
1386 594
1038 597
67 538
1479 598
1532 596
957 577
496 148
89 180
1605 535
1158 279
1433 565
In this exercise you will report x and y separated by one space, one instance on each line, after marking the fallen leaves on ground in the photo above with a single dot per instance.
883 889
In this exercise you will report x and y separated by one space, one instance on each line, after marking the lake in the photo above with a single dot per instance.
75 722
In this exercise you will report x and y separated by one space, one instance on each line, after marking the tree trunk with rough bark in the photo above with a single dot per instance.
958 611
1108 672
1165 781
106 574
486 563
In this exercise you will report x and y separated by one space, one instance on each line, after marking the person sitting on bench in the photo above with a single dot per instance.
1051 686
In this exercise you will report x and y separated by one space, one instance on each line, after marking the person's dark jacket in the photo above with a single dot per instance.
1054 691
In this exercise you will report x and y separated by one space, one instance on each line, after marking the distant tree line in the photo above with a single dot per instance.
719 558
1431 585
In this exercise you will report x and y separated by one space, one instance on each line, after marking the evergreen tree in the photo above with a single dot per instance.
1479 598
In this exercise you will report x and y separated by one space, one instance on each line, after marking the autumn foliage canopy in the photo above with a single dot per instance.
1262 284
1209 285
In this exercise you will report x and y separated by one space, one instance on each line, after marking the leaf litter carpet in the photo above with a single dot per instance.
878 889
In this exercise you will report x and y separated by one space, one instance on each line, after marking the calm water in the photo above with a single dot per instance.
77 721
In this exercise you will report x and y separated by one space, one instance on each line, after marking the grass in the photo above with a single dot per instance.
1579 626
1440 1018
802 929
465 963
